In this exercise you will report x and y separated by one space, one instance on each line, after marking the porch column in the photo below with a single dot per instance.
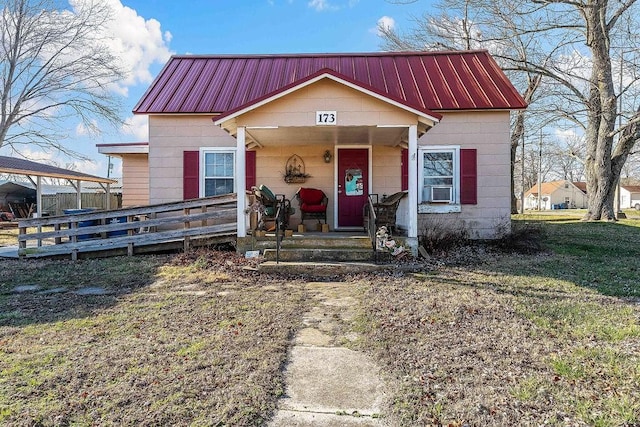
241 181
413 182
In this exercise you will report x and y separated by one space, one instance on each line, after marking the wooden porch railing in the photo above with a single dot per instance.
370 224
129 228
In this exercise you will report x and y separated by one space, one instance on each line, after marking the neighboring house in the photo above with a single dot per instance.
557 194
630 196
433 123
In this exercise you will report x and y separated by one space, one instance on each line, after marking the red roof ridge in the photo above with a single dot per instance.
327 54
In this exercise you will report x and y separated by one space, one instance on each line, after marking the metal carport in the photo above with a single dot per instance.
30 169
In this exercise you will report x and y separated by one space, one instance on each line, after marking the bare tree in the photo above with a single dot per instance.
54 66
571 44
479 24
587 82
567 158
631 170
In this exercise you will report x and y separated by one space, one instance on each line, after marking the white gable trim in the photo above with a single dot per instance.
422 117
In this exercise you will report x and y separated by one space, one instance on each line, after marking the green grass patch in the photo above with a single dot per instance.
586 320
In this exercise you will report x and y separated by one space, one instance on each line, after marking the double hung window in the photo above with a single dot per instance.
439 172
218 172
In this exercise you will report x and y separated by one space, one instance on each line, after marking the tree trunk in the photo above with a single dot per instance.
602 114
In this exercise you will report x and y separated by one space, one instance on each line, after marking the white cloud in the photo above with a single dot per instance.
321 5
567 136
138 43
385 23
58 159
137 125
91 129
37 155
85 166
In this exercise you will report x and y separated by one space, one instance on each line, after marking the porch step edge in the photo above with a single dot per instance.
319 269
317 254
314 242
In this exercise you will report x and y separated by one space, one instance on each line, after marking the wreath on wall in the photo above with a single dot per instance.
294 170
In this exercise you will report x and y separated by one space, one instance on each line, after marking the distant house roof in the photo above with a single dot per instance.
423 81
550 187
17 166
581 185
631 188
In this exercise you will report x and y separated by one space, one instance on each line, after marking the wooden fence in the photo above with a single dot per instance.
131 230
56 204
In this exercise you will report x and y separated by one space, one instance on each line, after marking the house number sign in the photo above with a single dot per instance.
326 118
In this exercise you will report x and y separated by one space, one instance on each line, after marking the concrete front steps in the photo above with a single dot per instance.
319 247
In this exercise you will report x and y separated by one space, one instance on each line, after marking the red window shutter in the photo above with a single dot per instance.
468 177
404 169
191 175
250 169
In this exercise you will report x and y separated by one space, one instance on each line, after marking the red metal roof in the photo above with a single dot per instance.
424 81
326 72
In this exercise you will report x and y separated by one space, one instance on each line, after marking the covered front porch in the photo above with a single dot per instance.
347 164
337 137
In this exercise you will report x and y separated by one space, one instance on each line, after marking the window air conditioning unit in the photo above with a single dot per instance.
441 194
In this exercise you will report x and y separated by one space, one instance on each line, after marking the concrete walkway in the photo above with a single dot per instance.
328 384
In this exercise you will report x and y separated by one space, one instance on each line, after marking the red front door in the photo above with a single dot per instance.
353 185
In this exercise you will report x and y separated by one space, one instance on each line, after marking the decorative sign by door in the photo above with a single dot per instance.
353 183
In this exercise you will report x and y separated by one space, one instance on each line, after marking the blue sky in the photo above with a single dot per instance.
273 26
146 32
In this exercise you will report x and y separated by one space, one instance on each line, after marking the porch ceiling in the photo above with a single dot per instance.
366 135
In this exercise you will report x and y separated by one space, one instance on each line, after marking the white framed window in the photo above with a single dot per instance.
439 172
217 171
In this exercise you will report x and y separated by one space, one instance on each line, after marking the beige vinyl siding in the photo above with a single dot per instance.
294 114
488 132
135 179
169 137
354 108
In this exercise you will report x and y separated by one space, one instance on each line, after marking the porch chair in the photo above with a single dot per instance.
385 210
313 204
270 202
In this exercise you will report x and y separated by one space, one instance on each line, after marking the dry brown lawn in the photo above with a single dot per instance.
477 337
179 340
493 339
